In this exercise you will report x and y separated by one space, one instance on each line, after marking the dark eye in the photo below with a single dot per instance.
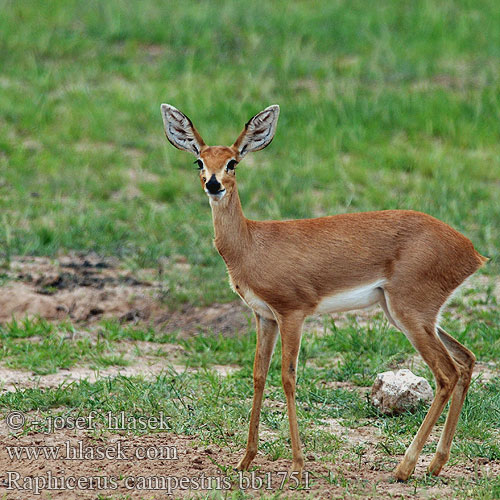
199 163
231 164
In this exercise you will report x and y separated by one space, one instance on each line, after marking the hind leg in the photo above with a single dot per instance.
465 361
421 331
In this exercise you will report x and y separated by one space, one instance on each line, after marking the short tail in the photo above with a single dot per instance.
482 260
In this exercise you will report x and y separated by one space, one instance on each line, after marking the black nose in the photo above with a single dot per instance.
213 185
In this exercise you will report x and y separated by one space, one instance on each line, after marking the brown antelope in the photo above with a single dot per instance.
406 261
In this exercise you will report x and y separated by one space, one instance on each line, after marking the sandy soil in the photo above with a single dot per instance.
152 466
87 288
169 458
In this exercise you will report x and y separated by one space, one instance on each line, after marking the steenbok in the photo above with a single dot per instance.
408 262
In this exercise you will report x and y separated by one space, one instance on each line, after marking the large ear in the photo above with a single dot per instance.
259 131
180 130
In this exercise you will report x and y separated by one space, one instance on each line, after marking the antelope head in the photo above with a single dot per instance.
217 163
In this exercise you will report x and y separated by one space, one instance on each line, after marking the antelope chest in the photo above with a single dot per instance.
252 301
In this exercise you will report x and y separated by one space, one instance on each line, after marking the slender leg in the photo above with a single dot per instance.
267 332
421 331
291 332
465 361
446 374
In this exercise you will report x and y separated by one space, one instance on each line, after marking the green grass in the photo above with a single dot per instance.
43 347
351 354
216 408
383 105
393 105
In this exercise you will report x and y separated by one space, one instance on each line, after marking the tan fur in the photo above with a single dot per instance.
284 269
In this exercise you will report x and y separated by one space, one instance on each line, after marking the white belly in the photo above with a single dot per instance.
355 298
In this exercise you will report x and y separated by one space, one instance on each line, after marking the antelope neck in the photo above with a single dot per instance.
231 227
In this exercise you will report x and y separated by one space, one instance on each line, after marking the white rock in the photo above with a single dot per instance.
400 391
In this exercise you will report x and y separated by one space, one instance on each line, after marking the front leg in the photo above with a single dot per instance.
267 332
291 332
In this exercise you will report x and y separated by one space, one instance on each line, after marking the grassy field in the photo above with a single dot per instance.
388 106
335 366
383 105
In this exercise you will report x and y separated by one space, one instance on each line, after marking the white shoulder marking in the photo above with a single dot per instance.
257 304
355 298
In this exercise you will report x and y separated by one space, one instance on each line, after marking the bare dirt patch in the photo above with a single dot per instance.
79 288
87 288
125 472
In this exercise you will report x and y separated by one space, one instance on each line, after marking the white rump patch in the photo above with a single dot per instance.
355 298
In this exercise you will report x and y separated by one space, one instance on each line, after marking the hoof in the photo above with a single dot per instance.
437 464
434 472
402 473
244 463
296 471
